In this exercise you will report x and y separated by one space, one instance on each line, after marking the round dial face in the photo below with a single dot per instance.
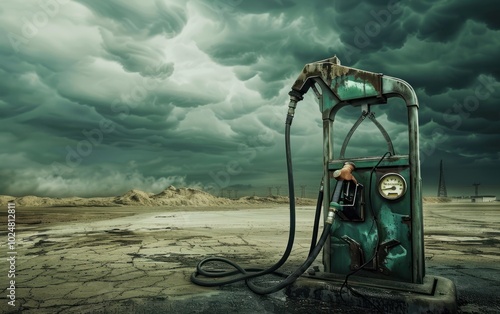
392 186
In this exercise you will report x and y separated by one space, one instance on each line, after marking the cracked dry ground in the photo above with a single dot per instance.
462 242
85 260
125 259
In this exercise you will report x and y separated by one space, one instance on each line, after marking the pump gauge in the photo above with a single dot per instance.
392 186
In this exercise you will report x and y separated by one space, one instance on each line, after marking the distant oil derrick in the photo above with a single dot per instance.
442 185
476 188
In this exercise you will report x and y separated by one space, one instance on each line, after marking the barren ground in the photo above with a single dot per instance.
139 259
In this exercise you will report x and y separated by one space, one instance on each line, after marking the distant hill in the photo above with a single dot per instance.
171 196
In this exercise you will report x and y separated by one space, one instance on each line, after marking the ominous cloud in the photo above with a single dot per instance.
99 97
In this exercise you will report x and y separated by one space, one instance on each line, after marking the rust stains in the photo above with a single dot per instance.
328 70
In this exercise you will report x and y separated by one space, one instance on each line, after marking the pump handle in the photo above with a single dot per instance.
346 172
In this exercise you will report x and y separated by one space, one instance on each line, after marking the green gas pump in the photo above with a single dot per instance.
379 225
377 233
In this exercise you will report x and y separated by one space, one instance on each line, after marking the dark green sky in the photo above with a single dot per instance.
99 97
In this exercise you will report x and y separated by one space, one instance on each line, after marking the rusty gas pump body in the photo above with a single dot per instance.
377 234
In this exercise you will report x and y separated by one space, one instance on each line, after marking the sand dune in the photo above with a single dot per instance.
171 196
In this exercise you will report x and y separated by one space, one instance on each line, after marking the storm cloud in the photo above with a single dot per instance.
99 97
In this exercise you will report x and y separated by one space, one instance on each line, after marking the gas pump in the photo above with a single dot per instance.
372 206
378 231
378 199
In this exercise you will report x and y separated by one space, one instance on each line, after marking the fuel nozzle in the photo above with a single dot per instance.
345 173
295 97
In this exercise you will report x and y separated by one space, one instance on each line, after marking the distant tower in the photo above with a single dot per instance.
442 186
476 187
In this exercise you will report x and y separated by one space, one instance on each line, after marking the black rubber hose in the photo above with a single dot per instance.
300 270
249 273
241 273
317 217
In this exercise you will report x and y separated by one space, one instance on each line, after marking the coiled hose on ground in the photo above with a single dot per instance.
211 278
